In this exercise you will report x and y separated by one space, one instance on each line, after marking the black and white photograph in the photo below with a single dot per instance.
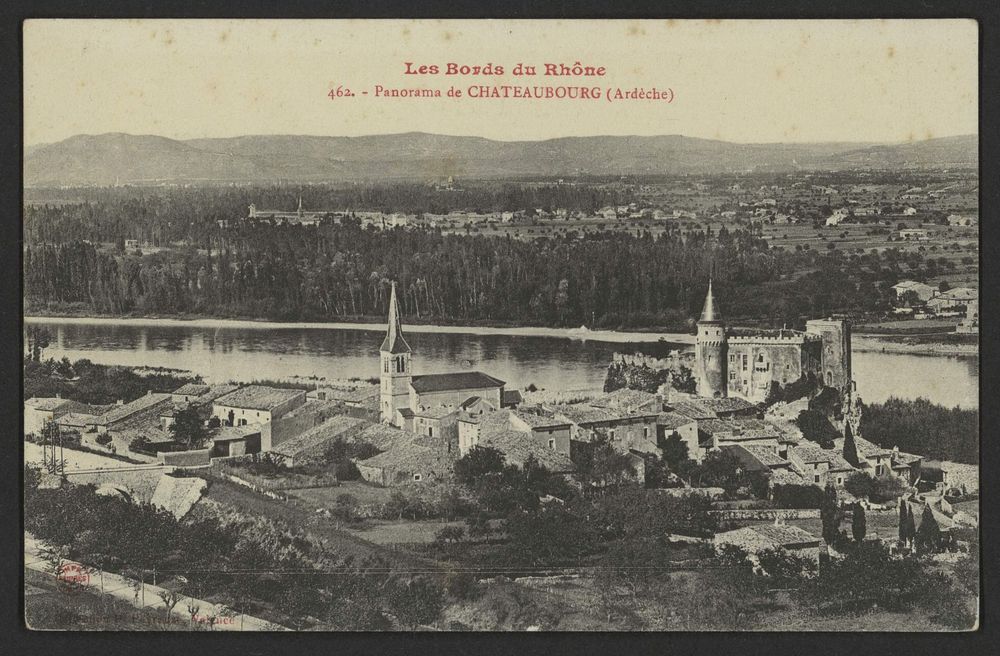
503 325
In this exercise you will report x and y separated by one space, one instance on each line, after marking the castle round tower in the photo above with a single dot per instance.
395 359
710 350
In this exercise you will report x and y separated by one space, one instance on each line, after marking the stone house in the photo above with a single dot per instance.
256 404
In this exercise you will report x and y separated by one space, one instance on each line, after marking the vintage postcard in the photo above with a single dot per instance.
501 325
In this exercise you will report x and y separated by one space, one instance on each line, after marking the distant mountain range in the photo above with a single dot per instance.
106 158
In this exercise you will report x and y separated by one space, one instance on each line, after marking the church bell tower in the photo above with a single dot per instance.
395 362
711 348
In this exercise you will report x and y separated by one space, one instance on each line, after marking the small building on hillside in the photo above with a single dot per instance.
716 433
762 537
958 297
549 432
923 292
518 447
820 466
39 411
256 404
74 423
312 445
297 421
413 459
141 412
236 441
627 430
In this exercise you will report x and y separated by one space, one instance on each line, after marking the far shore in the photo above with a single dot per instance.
890 344
583 334
862 342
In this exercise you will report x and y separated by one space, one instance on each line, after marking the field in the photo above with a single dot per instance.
326 497
402 532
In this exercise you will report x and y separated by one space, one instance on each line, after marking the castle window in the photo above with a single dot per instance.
552 444
417 477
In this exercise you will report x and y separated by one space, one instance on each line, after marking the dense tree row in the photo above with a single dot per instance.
340 271
161 216
924 428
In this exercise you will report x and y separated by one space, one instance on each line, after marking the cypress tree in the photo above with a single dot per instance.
928 536
902 522
829 514
859 523
850 446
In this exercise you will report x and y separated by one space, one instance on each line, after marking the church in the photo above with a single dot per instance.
748 364
402 395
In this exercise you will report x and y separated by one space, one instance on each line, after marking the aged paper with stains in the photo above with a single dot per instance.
501 325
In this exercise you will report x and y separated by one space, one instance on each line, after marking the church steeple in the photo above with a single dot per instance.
396 360
710 311
394 342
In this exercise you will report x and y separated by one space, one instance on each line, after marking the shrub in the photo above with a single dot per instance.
103 439
798 496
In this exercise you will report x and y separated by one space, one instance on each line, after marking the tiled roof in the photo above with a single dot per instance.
46 403
627 399
534 420
673 420
121 412
214 392
586 413
810 453
382 436
786 477
867 449
454 381
764 536
258 397
76 419
318 436
692 409
414 455
758 454
436 412
727 404
192 389
518 446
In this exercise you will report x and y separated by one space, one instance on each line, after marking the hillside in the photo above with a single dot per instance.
107 158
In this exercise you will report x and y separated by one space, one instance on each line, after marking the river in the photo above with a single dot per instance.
220 352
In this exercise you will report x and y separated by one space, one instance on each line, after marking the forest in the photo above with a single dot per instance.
925 428
75 262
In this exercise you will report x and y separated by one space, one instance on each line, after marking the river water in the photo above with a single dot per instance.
246 353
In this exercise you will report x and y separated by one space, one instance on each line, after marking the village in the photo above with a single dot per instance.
761 430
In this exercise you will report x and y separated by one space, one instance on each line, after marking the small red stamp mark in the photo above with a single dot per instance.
72 576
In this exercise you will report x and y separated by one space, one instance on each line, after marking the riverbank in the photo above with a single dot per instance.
897 344
582 334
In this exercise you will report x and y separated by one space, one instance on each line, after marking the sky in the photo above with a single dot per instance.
744 81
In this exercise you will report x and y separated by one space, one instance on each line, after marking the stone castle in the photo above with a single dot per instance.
747 364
